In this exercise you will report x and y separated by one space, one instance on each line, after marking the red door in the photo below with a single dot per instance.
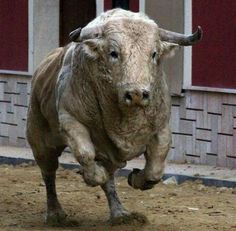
74 14
14 35
214 58
132 5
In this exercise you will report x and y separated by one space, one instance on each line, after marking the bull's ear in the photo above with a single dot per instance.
91 48
168 49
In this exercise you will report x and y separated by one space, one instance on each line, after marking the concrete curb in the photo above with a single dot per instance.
180 178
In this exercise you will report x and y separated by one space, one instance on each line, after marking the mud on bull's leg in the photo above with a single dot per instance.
78 139
155 156
118 214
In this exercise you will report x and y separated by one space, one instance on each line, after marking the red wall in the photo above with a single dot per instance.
214 59
14 35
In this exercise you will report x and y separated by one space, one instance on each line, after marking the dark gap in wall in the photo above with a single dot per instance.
11 124
228 104
180 133
209 141
211 154
194 109
2 136
214 113
21 83
124 4
5 101
172 147
10 112
24 119
232 157
204 129
175 105
21 138
224 134
3 81
11 93
192 120
18 105
192 155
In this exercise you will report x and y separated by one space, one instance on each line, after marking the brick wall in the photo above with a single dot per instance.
204 129
14 98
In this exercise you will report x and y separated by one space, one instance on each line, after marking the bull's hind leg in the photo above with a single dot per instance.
118 214
48 163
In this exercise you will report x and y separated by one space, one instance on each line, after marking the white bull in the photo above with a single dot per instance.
105 96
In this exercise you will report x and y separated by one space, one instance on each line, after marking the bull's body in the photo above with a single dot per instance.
77 100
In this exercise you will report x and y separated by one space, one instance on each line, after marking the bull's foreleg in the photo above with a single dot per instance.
118 214
155 156
116 208
78 139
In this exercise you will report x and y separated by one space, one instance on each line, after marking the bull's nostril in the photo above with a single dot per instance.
145 95
128 96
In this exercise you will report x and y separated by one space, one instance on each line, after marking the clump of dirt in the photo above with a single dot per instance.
189 206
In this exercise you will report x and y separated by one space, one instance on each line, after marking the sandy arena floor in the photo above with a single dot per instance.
189 207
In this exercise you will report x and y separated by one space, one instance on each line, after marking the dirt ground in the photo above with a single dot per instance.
189 206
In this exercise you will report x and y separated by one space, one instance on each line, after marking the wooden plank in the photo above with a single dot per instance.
203 134
227 120
195 100
186 127
214 133
230 151
211 160
189 145
174 121
214 102
222 144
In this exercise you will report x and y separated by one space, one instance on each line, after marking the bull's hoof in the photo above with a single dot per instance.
137 181
149 184
131 218
57 218
96 176
132 175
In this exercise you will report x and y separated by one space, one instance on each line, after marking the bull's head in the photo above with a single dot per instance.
128 53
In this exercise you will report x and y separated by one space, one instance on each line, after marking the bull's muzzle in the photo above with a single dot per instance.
138 97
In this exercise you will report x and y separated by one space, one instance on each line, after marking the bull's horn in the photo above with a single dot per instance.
181 39
91 32
85 33
74 35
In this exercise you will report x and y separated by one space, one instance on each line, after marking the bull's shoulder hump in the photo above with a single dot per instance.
45 76
50 66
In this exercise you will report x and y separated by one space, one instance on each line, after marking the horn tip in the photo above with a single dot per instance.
75 34
199 32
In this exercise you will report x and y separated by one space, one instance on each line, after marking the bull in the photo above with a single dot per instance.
105 96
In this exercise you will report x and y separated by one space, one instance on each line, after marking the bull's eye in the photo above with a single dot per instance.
154 54
114 55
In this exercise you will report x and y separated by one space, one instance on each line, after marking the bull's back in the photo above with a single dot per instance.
42 113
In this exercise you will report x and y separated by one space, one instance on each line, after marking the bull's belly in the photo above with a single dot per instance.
132 153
